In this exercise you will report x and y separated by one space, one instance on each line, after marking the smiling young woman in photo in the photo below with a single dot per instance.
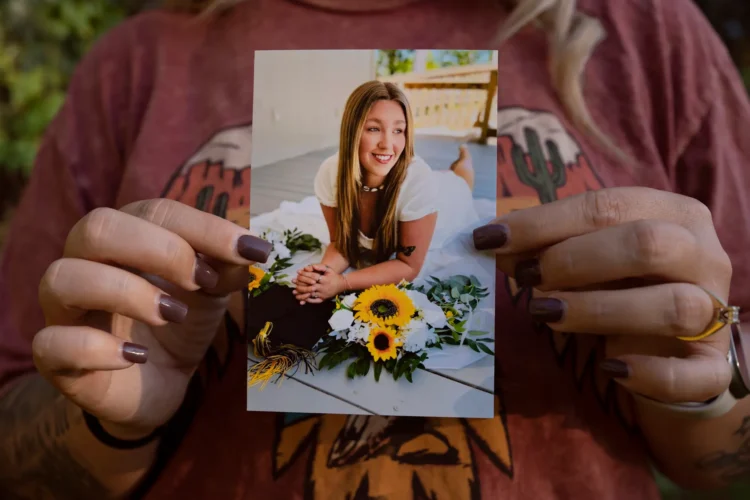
381 203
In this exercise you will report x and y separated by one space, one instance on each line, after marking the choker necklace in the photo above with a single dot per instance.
371 190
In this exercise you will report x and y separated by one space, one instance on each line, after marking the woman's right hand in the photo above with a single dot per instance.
133 305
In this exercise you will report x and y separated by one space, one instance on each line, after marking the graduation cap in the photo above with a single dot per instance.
283 332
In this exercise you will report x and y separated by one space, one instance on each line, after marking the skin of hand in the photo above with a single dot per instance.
630 264
319 280
134 303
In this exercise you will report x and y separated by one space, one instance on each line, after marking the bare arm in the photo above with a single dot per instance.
414 242
332 257
700 454
46 450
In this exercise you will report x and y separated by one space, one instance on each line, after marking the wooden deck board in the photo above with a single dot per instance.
292 396
292 179
430 394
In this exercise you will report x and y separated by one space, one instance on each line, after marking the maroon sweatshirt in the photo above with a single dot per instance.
152 97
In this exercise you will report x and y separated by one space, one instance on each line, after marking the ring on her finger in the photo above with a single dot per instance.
723 315
319 277
315 295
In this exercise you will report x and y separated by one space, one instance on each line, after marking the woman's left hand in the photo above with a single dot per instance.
631 264
316 283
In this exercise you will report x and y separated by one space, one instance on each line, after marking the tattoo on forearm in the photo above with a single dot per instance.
744 429
731 466
35 462
406 250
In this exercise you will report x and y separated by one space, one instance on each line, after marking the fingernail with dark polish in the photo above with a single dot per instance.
253 248
134 353
172 309
491 236
547 310
205 275
615 368
528 273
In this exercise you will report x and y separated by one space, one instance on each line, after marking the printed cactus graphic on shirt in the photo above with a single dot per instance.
539 160
533 169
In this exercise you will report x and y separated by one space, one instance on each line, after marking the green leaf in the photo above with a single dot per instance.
455 293
324 361
486 349
364 366
408 376
474 333
465 298
378 370
472 345
351 370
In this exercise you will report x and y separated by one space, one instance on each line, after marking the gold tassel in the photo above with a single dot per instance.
276 363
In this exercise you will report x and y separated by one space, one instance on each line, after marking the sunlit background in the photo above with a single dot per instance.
41 41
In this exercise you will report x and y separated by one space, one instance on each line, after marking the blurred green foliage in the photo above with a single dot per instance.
41 42
391 62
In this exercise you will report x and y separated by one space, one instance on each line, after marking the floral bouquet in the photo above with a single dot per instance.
285 246
392 327
385 327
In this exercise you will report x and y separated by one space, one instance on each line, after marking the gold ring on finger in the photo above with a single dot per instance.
723 315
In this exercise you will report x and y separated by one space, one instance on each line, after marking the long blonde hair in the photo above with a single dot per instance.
349 179
572 39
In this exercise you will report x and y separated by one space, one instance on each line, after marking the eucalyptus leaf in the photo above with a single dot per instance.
486 349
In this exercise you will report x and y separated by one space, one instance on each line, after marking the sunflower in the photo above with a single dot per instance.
256 276
384 305
383 342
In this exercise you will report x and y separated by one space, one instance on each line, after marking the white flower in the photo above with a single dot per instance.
339 334
349 300
341 319
415 324
280 251
360 332
431 312
273 237
417 336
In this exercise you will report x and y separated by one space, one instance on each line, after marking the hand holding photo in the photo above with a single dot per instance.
370 213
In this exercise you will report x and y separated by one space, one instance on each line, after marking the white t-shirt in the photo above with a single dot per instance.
416 199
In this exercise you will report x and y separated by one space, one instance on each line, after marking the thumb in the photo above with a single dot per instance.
695 378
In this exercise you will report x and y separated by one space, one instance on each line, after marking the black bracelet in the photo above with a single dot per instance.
105 437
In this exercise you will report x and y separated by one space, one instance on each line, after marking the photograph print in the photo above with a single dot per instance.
370 171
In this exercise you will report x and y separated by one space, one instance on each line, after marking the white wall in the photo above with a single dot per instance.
299 97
